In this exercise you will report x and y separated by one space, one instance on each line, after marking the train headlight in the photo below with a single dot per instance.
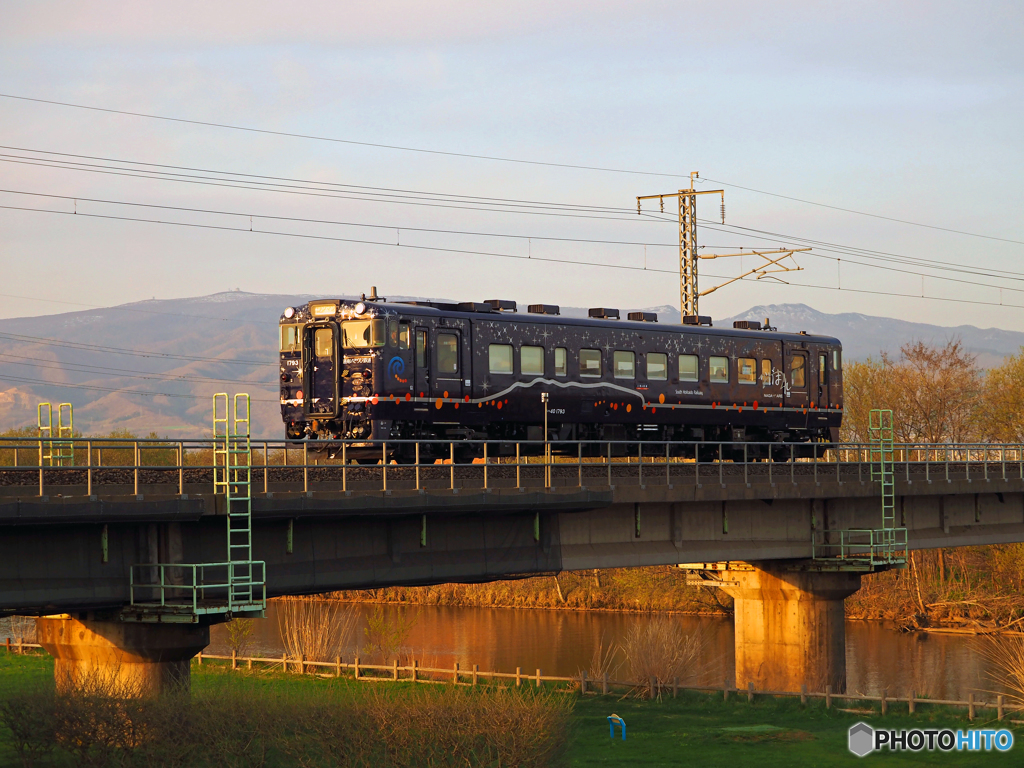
360 308
289 313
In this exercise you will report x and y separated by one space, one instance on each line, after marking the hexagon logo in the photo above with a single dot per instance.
861 739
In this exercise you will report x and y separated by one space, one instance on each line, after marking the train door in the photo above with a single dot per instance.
320 378
422 363
823 379
447 363
797 374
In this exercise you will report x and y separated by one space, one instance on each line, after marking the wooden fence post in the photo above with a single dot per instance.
803 693
284 662
476 672
394 669
519 676
999 707
913 702
828 697
970 706
248 662
234 659
604 683
750 692
355 668
885 707
337 666
538 678
199 658
725 690
302 663
415 670
583 682
455 674
653 685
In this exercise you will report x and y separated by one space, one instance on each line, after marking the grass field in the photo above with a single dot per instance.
694 729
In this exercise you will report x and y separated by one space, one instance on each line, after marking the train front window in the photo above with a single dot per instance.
531 361
362 334
561 367
499 358
687 367
625 365
590 362
291 338
403 335
447 353
822 359
798 371
657 366
719 369
323 343
746 370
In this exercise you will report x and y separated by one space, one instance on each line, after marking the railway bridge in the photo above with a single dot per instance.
131 549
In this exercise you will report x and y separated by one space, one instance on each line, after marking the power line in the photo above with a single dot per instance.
496 158
312 137
123 351
461 251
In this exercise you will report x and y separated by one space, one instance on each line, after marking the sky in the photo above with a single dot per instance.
907 111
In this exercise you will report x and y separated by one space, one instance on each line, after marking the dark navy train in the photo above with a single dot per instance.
373 370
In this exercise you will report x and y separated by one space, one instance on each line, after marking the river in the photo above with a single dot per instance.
563 642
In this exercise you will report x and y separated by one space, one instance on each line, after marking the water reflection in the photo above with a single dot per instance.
563 642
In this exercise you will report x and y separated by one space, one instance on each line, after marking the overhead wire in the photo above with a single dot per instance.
493 158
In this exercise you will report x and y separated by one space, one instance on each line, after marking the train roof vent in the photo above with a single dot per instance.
474 306
697 320
543 309
747 325
643 317
604 313
501 305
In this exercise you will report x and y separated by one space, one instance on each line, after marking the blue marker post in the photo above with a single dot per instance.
614 720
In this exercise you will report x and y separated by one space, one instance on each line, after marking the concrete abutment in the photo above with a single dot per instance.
121 658
790 626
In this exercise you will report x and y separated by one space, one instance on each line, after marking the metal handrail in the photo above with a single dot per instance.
196 590
705 459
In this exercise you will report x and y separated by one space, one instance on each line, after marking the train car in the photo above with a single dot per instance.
372 370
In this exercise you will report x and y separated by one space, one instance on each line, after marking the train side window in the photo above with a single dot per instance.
403 335
746 370
688 368
500 358
421 350
657 366
392 333
447 353
624 365
835 359
798 371
766 372
822 361
561 366
590 362
719 369
531 361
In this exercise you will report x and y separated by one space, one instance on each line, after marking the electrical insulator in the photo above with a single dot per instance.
723 211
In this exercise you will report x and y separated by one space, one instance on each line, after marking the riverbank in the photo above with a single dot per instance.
707 730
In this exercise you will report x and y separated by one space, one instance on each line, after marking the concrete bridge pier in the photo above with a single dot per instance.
119 658
790 626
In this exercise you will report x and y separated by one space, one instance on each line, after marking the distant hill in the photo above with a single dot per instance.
181 351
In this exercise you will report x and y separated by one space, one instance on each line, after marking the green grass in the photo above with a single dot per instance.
703 730
694 729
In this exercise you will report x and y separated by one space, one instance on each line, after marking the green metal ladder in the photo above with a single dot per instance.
232 476
880 433
56 450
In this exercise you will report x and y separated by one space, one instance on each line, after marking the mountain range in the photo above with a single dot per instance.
153 366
